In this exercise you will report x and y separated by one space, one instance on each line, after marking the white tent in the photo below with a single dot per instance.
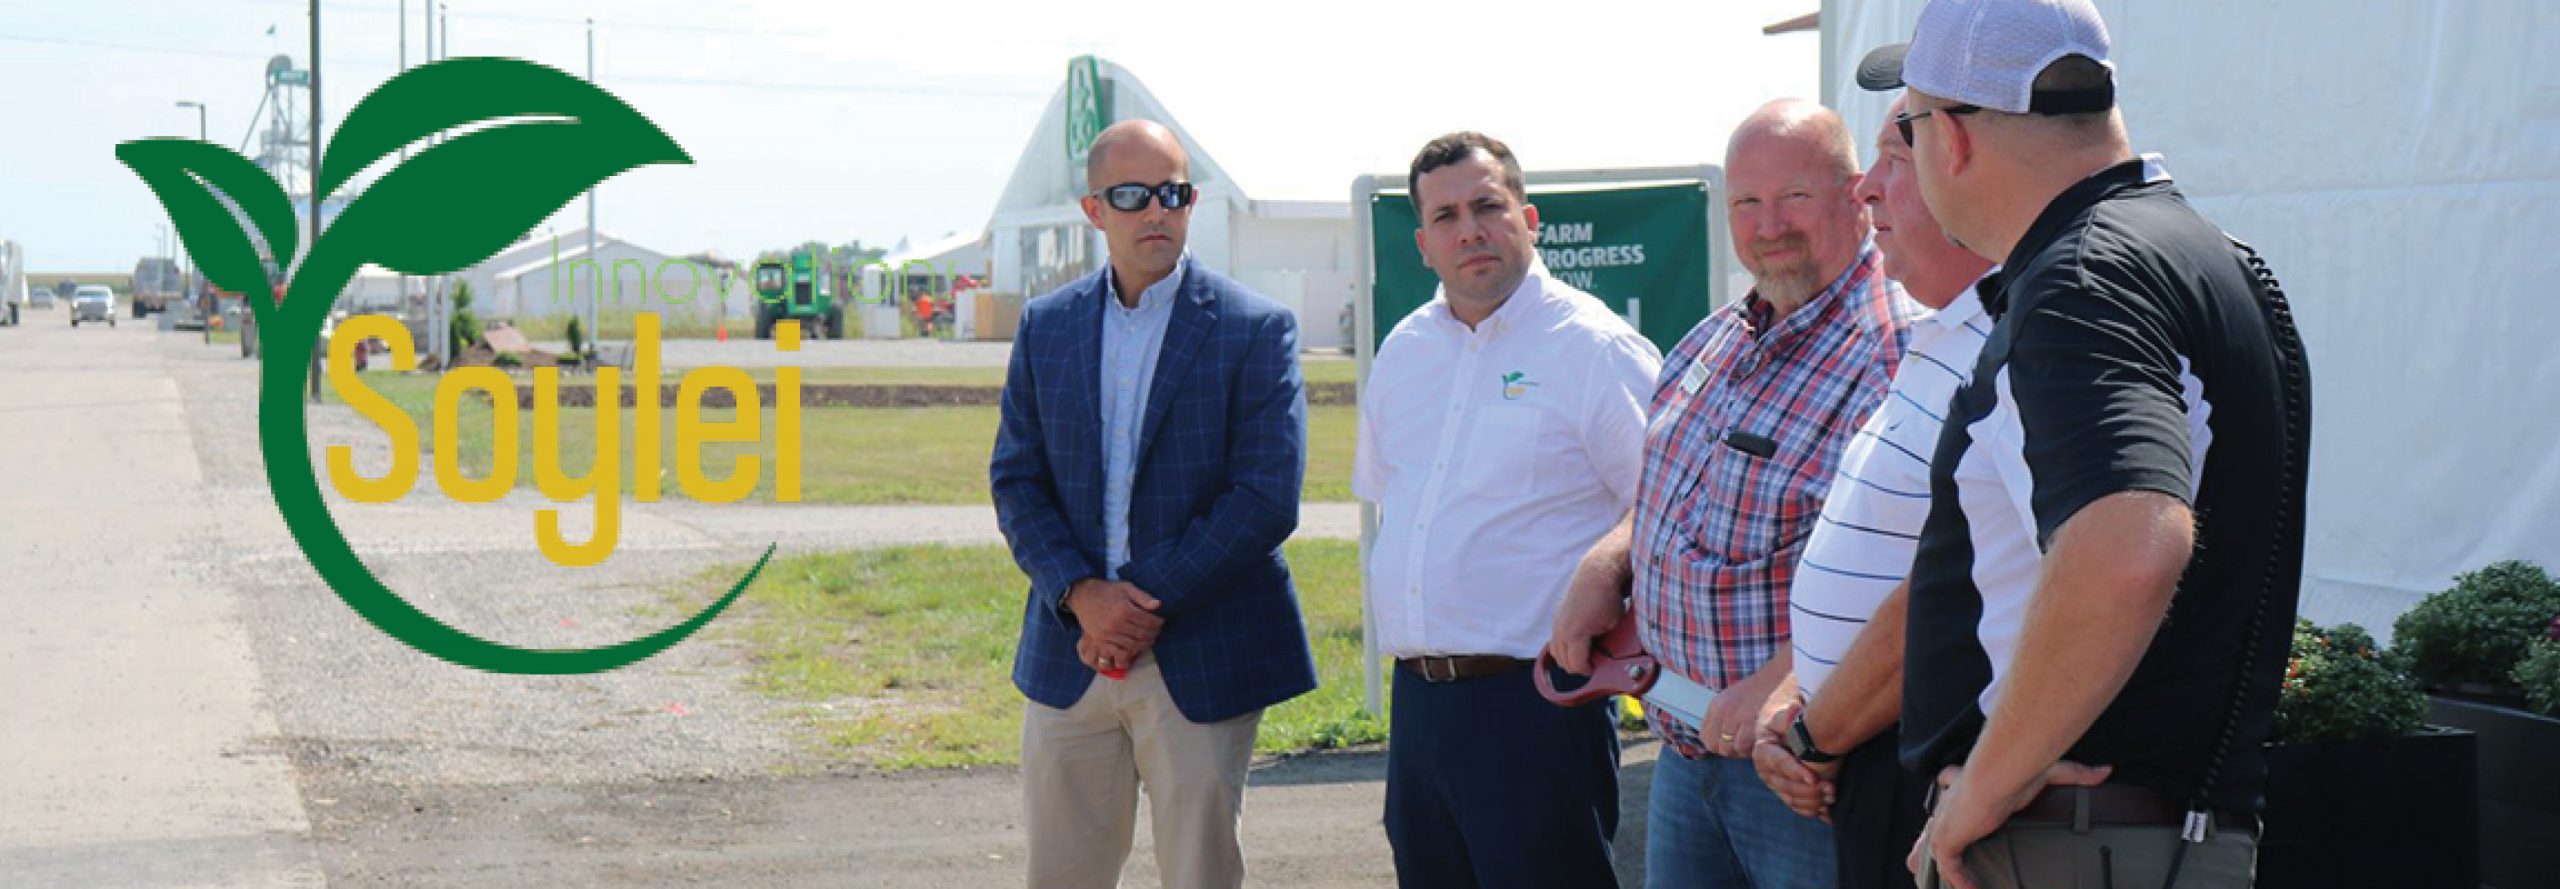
935 264
1298 252
2393 162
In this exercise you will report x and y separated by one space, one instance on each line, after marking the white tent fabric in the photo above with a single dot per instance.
2398 164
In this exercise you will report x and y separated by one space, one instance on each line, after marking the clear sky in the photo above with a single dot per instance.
837 121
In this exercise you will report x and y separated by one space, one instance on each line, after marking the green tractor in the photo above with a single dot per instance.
804 285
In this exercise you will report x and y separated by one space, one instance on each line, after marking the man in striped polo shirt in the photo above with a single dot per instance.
1835 758
1747 425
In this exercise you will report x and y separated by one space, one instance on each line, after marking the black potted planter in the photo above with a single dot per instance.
2395 812
2519 774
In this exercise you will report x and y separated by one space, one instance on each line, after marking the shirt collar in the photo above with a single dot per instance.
1966 306
1756 311
2149 170
1156 296
1532 289
1994 294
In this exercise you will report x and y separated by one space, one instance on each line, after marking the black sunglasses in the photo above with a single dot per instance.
1903 121
1131 197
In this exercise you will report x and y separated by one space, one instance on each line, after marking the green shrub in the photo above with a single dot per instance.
576 336
464 330
2478 630
507 360
2539 673
2339 686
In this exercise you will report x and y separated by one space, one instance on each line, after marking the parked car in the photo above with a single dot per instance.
93 303
41 298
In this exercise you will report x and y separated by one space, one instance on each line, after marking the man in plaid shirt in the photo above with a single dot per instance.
1747 425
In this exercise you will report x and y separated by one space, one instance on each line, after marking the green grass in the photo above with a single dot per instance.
902 657
849 456
1316 372
617 325
1331 429
885 376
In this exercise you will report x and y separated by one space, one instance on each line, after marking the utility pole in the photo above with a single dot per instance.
195 287
440 29
401 20
440 340
314 184
597 297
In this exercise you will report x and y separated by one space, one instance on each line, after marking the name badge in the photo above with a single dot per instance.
1685 702
1693 380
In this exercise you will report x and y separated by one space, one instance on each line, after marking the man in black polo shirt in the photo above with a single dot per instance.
2099 603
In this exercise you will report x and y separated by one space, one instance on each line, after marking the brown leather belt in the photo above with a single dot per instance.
2114 804
1451 668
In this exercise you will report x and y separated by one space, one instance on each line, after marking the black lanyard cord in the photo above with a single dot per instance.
2292 364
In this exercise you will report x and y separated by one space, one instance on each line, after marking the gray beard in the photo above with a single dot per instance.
1788 289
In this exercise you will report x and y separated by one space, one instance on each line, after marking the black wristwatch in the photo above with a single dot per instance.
1800 743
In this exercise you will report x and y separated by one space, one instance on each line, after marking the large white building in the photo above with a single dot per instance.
553 274
1296 251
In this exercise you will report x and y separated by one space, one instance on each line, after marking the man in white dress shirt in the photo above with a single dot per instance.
1501 434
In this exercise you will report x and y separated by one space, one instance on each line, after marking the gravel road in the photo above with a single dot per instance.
187 704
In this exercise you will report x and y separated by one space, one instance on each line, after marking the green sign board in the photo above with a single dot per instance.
1088 106
1646 244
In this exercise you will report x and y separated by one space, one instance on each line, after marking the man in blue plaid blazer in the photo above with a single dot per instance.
1146 470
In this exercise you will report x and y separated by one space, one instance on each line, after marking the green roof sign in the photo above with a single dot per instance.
1088 106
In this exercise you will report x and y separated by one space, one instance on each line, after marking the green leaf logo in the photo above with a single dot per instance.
192 179
1515 384
539 137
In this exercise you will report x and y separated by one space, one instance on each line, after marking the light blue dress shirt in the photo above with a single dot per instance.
1131 339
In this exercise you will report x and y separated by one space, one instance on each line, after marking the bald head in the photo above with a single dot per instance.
1789 173
1801 127
1142 137
1146 243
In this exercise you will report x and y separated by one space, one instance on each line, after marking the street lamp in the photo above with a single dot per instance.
204 309
199 107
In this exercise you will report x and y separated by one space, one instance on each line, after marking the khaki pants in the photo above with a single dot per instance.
2053 856
1081 769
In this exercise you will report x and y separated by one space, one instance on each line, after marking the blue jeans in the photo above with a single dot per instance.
1711 824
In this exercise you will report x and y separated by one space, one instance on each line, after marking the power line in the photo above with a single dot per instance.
101 44
859 88
681 27
939 92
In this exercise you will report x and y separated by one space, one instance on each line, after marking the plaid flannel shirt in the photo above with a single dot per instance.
1718 529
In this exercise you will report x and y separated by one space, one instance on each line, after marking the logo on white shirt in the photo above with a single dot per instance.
1516 384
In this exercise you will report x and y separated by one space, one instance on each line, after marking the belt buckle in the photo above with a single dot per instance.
1450 662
